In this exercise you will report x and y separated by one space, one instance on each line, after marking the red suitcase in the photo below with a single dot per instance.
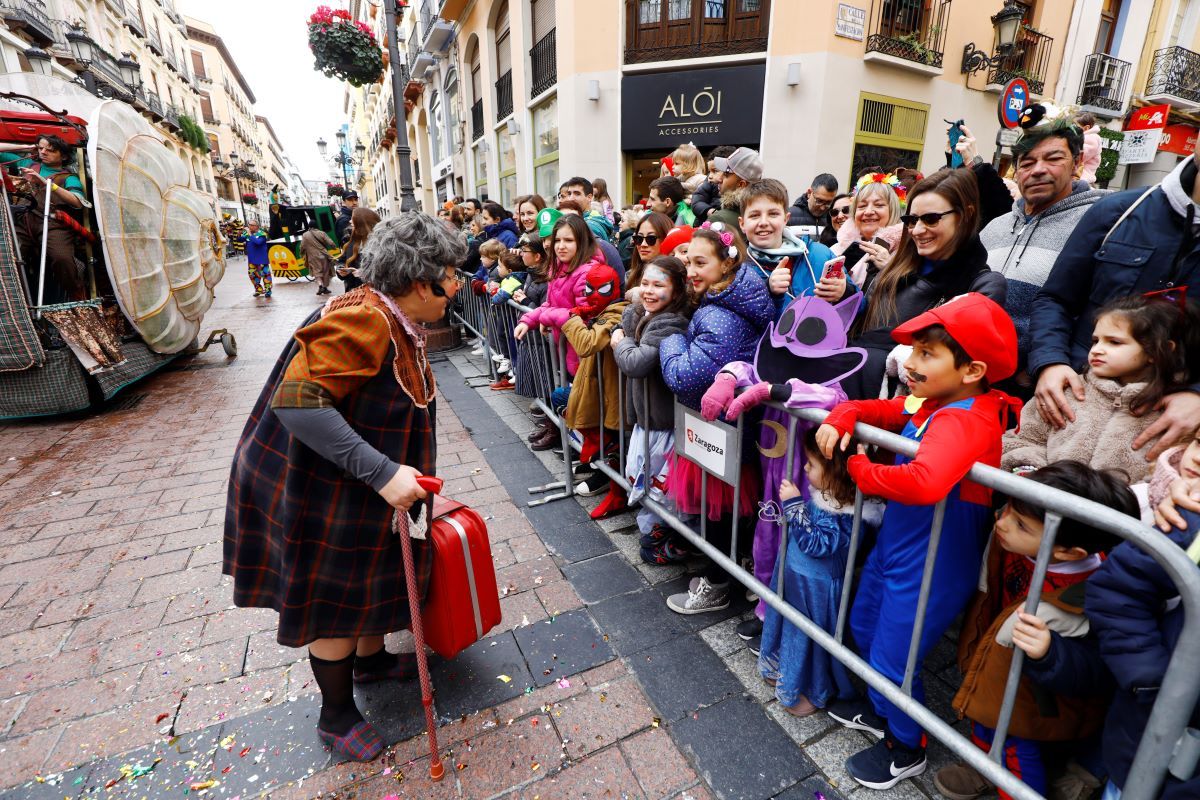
462 603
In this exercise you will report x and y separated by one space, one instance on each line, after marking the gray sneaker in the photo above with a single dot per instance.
701 597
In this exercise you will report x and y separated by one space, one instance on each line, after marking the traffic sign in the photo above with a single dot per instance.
1013 100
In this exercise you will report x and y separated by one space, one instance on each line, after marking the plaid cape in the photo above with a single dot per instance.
308 540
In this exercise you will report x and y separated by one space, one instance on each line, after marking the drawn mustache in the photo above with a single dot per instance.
916 376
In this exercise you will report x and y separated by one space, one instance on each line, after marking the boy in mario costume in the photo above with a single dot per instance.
959 349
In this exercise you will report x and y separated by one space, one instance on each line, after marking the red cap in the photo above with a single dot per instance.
675 237
979 325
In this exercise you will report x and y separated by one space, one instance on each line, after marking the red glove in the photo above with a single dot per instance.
747 400
478 286
718 396
554 317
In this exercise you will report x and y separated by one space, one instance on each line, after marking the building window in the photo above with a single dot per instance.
890 133
455 137
545 148
480 171
435 127
507 167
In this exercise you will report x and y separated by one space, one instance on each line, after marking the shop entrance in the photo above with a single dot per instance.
644 166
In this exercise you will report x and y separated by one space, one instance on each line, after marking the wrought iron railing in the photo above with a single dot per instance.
414 47
911 31
171 117
477 120
663 30
1175 71
1103 84
544 60
31 15
504 100
153 41
117 6
154 103
1029 58
134 23
425 15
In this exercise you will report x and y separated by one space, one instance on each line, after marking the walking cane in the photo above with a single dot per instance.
431 485
45 240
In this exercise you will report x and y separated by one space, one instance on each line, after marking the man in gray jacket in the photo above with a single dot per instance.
1023 244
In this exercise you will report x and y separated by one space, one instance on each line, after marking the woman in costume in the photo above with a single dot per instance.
330 454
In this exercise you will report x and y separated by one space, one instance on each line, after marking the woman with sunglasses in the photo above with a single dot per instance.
839 212
652 229
939 257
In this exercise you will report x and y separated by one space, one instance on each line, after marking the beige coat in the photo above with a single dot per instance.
1101 435
313 247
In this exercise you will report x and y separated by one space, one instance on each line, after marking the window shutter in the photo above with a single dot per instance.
542 12
206 106
503 54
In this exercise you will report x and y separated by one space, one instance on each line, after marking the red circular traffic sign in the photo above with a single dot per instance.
1013 100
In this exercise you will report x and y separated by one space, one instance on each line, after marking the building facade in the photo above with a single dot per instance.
506 97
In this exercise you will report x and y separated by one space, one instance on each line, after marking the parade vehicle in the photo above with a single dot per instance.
148 250
287 226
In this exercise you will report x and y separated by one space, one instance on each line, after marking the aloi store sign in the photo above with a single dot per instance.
706 107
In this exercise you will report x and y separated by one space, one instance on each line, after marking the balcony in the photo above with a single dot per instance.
171 118
172 64
154 104
544 60
1175 78
665 30
477 120
106 80
1103 90
154 44
210 120
504 103
419 60
117 6
1029 58
30 16
134 23
909 36
435 31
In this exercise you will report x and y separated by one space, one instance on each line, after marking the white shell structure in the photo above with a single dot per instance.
162 246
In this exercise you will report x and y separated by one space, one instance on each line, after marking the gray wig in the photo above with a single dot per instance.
408 249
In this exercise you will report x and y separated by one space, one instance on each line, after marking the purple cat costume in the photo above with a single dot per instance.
800 362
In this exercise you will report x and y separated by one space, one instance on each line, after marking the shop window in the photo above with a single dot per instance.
506 167
481 176
890 133
545 148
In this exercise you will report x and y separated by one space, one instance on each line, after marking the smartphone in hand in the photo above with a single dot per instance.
834 268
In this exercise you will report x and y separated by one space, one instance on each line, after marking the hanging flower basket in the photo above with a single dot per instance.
344 48
250 199
335 189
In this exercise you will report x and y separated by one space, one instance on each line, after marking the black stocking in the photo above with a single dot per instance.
336 679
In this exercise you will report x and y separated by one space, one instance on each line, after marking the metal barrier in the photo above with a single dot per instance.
1165 741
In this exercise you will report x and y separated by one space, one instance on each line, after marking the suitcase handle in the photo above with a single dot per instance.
430 484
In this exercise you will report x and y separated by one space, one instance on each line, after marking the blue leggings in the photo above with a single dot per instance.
1022 757
883 617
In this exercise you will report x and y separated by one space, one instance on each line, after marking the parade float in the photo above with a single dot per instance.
149 249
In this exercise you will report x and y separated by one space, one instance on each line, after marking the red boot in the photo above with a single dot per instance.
613 503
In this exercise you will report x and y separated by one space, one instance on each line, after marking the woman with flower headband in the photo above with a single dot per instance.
873 230
939 257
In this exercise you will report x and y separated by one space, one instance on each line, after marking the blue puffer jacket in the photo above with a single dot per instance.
505 231
1135 613
725 328
1155 247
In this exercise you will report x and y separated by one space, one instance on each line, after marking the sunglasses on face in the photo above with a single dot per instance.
929 220
842 212
649 238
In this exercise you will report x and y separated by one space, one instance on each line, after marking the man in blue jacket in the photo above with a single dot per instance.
1128 243
256 257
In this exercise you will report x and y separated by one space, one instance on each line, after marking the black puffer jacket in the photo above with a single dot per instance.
707 197
965 271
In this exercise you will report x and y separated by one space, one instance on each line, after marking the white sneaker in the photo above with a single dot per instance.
497 357
503 365
478 351
703 598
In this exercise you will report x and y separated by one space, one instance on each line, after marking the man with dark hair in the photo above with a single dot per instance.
578 189
707 198
666 197
471 207
812 207
342 224
1023 243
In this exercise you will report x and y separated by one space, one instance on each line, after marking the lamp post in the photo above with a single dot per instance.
237 172
342 157
407 200
40 60
1007 24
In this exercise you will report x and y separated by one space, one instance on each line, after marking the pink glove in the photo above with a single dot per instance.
748 399
555 317
718 396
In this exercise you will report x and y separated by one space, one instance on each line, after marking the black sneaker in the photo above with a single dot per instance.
750 629
663 553
583 471
658 534
885 763
858 715
596 483
755 645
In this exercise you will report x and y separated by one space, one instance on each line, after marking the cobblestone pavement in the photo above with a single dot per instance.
126 672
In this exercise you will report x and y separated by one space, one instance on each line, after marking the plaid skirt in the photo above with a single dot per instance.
307 539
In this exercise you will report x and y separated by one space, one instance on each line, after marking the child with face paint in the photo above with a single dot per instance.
662 310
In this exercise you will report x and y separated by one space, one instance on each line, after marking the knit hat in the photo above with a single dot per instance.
978 324
602 286
546 219
681 234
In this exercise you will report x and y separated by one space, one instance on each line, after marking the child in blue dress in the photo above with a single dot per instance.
806 678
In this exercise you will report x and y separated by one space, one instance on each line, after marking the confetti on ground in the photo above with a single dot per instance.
564 684
504 678
161 717
658 721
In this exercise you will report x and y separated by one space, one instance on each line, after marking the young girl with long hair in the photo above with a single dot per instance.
661 311
600 197
1138 356
689 167
806 678
733 311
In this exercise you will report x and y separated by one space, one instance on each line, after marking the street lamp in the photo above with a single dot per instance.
131 72
40 60
1007 24
342 157
237 172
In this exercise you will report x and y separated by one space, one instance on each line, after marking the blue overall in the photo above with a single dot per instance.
885 606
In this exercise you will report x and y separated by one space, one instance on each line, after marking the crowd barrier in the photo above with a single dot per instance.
1167 745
